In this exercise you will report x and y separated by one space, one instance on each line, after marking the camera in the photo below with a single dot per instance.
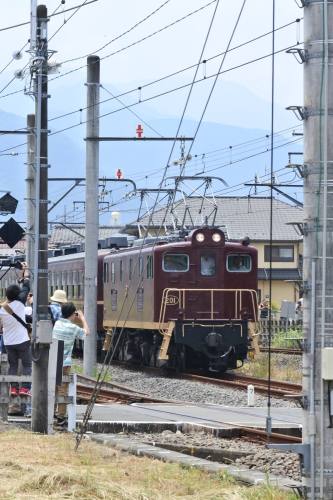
11 263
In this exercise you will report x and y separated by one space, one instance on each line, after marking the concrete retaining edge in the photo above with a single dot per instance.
239 473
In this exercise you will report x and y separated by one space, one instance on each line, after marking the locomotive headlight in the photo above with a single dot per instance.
200 237
216 237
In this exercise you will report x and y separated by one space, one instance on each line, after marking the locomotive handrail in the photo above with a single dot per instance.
181 294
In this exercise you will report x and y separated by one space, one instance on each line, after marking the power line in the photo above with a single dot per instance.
119 36
25 23
131 111
169 75
141 39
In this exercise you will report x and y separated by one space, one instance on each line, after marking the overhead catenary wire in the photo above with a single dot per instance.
148 99
128 30
179 71
109 356
209 97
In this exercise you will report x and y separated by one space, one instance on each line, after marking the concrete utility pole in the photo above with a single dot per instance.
30 190
92 219
42 328
318 246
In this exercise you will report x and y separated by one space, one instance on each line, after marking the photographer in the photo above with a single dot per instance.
66 330
15 332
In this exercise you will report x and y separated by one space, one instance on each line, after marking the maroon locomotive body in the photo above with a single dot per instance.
182 302
185 303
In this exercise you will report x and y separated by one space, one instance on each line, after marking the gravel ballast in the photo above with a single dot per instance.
258 457
160 386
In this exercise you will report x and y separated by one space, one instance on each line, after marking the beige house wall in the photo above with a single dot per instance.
281 290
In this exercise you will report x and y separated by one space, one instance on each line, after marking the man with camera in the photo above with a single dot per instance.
15 330
66 330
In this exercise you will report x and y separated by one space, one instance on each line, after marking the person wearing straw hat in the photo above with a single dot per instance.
58 298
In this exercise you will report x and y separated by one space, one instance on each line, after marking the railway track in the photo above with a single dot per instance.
277 388
282 350
115 393
121 394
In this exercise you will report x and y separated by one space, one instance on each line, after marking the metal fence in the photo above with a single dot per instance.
288 332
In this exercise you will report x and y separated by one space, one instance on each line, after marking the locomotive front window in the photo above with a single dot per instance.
239 263
175 262
207 265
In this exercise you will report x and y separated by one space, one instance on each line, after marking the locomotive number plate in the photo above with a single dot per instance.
172 300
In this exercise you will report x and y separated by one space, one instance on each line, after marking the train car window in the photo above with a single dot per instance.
139 299
140 266
239 263
79 291
149 266
130 269
113 273
114 299
120 270
175 262
207 265
64 278
104 272
75 278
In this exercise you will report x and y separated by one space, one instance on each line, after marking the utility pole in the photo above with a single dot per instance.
30 189
42 329
92 219
318 248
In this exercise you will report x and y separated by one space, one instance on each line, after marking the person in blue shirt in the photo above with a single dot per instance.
67 331
58 298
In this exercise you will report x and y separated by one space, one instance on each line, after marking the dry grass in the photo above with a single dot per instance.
285 368
34 466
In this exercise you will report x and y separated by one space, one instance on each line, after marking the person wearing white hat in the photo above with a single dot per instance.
58 298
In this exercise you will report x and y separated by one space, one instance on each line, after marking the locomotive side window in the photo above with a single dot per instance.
239 263
175 262
207 265
149 266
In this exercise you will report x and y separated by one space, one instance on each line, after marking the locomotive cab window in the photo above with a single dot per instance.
207 265
175 262
239 263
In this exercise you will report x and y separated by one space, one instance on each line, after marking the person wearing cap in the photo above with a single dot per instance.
58 298
67 331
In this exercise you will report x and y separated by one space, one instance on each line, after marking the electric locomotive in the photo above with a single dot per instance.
190 303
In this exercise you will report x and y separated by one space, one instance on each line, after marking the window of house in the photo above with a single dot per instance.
280 253
175 262
239 263
149 266
207 265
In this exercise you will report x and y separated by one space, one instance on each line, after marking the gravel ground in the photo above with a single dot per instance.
259 458
186 390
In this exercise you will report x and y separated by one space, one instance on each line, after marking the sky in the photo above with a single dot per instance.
174 48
